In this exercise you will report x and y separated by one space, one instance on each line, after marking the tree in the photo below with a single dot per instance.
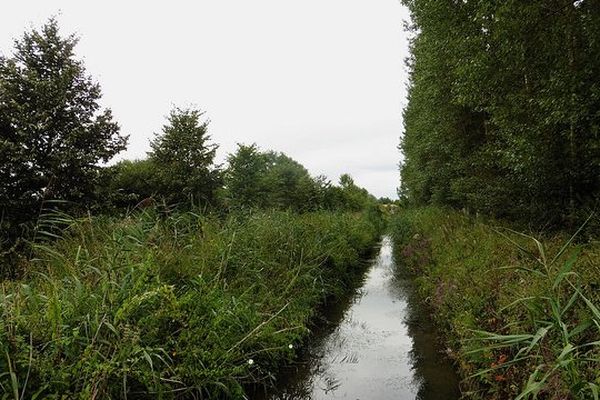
245 171
353 197
127 184
502 113
53 132
184 159
288 184
257 179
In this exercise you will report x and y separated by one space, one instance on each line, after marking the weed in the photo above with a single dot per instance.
170 305
519 314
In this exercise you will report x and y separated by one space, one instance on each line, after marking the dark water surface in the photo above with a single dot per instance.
377 344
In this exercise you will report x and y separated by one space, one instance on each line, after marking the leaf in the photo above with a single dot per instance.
592 307
568 242
539 335
148 359
567 267
594 389
568 349
580 328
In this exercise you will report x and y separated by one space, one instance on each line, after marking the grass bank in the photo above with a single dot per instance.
183 306
520 315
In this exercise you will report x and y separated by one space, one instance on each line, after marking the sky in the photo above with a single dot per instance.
323 81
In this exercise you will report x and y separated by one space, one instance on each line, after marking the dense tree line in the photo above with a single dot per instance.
503 108
55 140
257 179
252 179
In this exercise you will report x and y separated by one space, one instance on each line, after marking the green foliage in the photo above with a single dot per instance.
288 184
162 307
179 170
53 132
183 159
243 177
161 303
126 184
352 197
256 179
503 120
519 313
502 114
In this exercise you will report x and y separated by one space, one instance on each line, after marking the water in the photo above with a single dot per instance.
377 345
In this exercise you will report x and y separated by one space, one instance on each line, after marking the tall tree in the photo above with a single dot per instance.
502 115
184 159
53 132
244 175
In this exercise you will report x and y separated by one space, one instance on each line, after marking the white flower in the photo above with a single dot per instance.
291 346
250 361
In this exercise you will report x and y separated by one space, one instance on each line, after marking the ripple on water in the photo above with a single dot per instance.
371 354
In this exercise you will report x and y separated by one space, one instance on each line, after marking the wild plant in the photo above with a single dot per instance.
166 304
563 344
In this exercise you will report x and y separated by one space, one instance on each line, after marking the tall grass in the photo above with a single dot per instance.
185 305
520 313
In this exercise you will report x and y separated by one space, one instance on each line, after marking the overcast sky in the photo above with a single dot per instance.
321 80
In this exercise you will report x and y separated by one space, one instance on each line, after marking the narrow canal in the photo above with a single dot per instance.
376 345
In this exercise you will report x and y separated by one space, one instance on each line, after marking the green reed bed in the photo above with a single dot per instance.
179 306
520 315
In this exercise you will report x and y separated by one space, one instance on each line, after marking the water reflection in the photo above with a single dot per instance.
378 344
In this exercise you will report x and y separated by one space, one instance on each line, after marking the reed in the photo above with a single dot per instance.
170 305
519 312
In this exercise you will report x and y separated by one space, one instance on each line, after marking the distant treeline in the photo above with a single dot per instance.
251 179
54 138
504 108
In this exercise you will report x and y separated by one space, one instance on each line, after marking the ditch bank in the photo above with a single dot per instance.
375 343
518 312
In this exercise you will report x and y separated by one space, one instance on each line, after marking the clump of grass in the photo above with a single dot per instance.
519 323
168 306
562 346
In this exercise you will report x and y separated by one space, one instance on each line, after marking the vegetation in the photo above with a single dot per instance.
503 106
520 315
54 135
179 169
126 185
165 277
174 277
502 122
171 306
53 131
257 179
183 159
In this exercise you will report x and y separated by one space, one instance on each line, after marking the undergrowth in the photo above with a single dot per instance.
519 314
178 306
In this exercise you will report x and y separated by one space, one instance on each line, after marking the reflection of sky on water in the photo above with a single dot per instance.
371 354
